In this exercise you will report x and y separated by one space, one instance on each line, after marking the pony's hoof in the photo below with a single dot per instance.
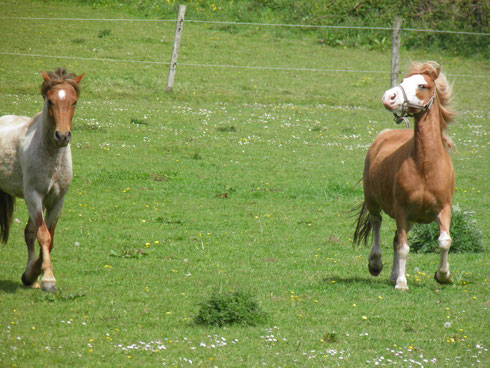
401 284
48 286
401 287
443 278
375 270
28 282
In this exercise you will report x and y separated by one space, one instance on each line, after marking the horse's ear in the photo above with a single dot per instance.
79 78
45 75
434 69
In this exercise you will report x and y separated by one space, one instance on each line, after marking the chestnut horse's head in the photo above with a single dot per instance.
60 91
415 93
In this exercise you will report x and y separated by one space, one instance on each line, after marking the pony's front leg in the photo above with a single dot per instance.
443 276
45 239
401 253
375 263
37 228
33 267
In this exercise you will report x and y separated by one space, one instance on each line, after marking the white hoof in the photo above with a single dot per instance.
401 284
48 286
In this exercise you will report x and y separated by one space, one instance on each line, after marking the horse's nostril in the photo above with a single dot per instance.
57 135
393 96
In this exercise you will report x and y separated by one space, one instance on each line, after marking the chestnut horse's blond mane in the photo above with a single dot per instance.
59 76
443 90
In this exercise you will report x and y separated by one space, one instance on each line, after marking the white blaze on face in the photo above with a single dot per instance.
393 98
410 85
61 94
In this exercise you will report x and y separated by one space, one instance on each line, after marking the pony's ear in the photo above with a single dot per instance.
45 76
433 69
79 78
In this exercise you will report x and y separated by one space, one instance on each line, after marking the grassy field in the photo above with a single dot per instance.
241 179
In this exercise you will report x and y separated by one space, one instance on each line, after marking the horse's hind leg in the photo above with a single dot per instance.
394 270
375 262
443 276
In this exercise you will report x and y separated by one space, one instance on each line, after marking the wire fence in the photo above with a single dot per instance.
230 23
249 24
224 66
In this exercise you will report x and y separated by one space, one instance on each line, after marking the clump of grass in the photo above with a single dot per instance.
138 253
464 231
196 156
226 128
330 337
78 41
104 33
59 295
230 308
138 122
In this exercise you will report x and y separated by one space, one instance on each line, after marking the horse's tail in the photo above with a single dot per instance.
363 226
7 203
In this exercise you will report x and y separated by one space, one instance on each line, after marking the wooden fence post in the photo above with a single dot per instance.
175 50
395 51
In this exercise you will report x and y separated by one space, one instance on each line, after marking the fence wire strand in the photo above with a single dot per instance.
248 24
230 23
224 66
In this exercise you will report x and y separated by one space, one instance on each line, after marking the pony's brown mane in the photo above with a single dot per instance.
443 92
59 76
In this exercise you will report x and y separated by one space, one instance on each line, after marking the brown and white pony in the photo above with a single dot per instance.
35 164
408 173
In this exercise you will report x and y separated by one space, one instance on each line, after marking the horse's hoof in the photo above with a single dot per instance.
48 286
401 287
401 284
26 281
443 280
375 270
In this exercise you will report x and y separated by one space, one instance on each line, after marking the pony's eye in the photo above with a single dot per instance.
75 103
50 103
422 86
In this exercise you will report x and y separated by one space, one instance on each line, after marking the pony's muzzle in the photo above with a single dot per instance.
390 99
62 138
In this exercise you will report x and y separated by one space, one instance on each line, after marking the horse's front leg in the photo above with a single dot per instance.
401 253
33 267
37 228
443 276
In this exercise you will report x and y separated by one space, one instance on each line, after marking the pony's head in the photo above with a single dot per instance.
60 92
416 92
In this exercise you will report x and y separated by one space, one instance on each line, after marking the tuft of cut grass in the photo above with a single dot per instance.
464 231
230 308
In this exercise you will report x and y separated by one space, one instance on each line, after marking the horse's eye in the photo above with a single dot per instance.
74 103
422 86
50 103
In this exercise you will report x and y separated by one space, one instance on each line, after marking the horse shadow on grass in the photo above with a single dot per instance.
352 281
368 281
9 286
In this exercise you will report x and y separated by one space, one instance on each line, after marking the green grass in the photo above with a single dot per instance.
238 180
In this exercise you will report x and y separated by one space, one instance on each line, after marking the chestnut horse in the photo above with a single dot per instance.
35 164
408 173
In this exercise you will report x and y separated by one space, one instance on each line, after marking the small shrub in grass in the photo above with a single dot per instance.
464 231
229 308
